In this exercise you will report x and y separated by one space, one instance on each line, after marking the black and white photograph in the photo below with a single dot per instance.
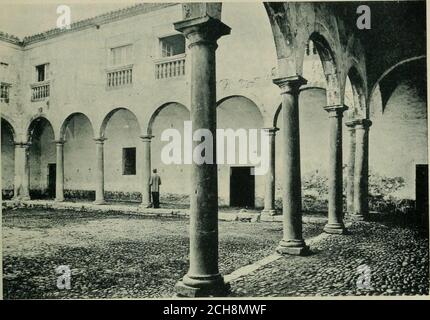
206 150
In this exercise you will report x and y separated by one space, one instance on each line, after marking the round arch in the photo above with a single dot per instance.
278 109
41 157
29 126
276 11
358 91
398 109
258 105
8 124
67 121
324 46
325 53
157 112
248 102
110 114
389 70
33 123
8 138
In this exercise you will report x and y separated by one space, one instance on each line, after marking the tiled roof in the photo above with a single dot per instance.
87 23
10 38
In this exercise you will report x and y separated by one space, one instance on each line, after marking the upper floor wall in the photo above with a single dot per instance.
140 63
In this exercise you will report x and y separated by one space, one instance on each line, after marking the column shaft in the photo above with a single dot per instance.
203 277
269 198
146 171
22 172
335 183
59 182
292 242
350 169
100 198
361 169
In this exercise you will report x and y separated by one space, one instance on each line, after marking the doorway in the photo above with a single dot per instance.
422 193
242 187
52 175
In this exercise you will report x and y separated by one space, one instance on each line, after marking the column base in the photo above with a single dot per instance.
59 200
210 286
99 202
269 212
334 228
293 247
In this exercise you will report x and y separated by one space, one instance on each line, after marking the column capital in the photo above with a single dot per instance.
22 144
146 137
100 140
202 30
59 142
336 110
362 123
271 131
290 84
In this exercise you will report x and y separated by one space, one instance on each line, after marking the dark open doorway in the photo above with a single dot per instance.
242 187
52 175
422 193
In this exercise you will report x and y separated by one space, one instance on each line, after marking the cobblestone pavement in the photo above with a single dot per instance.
116 255
397 259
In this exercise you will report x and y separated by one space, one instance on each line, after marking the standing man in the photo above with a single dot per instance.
154 184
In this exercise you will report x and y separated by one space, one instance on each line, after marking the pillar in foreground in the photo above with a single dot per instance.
100 174
335 180
203 277
292 242
59 179
361 170
350 168
269 197
146 170
22 172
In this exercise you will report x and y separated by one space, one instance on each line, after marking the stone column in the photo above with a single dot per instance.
59 178
350 168
100 174
292 242
22 172
361 169
146 170
203 277
269 198
335 183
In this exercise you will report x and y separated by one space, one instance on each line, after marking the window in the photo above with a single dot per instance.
4 92
129 161
172 45
42 72
311 49
121 55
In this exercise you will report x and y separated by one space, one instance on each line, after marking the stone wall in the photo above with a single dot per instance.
245 67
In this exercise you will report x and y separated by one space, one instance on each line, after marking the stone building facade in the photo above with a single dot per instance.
83 110
116 81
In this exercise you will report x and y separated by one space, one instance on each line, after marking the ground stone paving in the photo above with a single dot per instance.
116 255
398 259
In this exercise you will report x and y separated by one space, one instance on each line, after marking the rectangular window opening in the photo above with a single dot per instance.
172 45
42 72
129 161
121 55
4 92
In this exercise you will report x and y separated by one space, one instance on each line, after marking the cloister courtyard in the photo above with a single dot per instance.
90 110
119 255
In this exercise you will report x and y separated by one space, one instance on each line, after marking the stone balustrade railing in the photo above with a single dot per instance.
40 90
119 77
170 67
